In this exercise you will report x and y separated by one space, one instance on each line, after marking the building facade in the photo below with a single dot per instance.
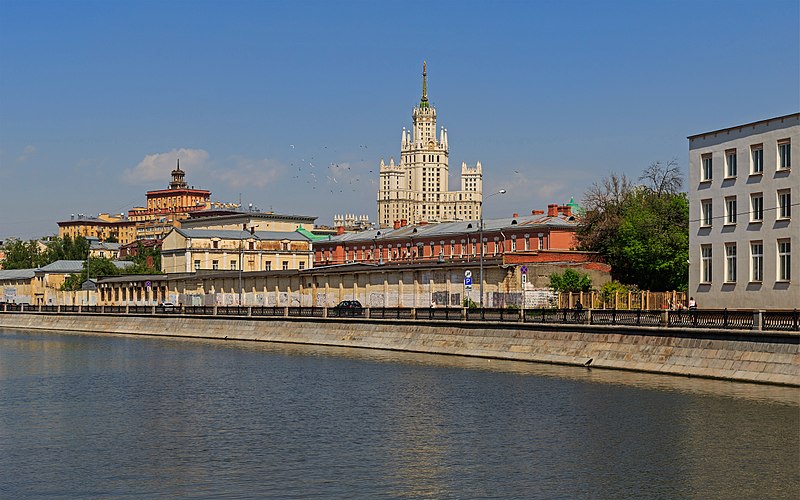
102 227
167 207
192 250
236 220
416 189
449 242
743 227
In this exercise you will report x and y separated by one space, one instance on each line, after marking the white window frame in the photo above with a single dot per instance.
706 213
730 262
784 267
706 261
706 167
784 154
730 164
757 159
784 204
730 210
756 261
757 207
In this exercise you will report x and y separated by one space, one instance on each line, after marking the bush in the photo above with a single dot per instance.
570 281
469 303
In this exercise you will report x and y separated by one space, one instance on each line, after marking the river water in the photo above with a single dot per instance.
90 416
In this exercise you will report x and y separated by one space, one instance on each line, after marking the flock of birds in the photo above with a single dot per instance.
338 178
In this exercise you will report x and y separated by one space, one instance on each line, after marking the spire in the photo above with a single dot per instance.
423 103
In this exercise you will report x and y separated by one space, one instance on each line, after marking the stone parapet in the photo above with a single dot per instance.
772 358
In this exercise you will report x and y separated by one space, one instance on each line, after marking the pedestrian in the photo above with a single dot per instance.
692 303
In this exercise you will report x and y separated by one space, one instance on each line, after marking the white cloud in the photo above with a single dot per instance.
159 165
250 173
27 152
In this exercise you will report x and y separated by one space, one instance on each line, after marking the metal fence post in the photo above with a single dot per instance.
665 319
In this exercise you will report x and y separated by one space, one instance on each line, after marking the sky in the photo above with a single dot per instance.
291 105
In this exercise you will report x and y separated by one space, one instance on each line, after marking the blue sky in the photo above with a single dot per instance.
97 99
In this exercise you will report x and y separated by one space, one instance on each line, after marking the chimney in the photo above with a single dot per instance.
566 210
403 222
516 216
253 230
397 224
552 210
339 230
537 212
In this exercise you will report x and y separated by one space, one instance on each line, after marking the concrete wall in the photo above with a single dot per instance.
745 291
766 358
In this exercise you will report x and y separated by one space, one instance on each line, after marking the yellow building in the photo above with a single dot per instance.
102 227
167 207
191 250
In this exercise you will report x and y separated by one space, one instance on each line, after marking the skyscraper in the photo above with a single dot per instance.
416 189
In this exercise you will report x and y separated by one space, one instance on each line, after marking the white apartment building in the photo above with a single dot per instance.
416 189
744 222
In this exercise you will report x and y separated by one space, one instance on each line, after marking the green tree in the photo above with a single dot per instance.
22 255
145 256
642 231
97 266
570 281
67 249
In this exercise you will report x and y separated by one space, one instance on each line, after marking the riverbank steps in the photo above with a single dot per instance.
771 358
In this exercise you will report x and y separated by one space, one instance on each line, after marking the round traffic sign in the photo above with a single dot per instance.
467 273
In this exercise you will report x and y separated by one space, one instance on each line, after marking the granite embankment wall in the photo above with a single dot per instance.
735 355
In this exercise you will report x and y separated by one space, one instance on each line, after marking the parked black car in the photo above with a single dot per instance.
347 309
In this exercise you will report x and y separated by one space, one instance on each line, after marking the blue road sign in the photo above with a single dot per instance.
468 281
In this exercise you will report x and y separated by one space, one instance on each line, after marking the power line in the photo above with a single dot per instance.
725 216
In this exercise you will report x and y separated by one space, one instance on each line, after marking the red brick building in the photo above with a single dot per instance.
539 237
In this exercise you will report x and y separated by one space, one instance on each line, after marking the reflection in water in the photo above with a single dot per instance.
100 416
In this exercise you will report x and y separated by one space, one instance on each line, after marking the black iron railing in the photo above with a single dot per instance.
787 321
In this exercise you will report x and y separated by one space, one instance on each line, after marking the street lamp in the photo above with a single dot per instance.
502 191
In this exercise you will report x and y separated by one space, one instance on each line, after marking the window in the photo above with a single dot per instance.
706 213
541 242
214 264
302 265
730 263
196 265
730 210
757 159
784 154
285 265
730 163
705 264
784 260
514 244
233 265
756 261
784 204
756 207
268 266
707 168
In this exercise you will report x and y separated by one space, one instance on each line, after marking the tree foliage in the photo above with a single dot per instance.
97 266
29 254
22 255
146 261
570 281
641 230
